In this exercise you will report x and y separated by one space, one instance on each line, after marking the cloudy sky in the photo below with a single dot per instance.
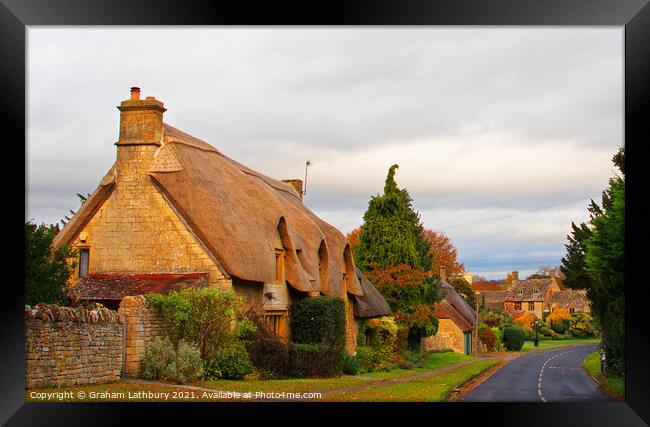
501 134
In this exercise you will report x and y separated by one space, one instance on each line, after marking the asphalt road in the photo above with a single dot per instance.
542 375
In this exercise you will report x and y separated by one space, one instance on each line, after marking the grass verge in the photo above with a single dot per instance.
431 389
612 385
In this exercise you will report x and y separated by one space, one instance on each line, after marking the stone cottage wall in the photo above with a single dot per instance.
449 336
142 326
72 346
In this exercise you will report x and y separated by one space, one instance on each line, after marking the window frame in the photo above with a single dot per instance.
84 250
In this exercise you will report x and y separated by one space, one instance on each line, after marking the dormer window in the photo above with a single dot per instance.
520 291
536 290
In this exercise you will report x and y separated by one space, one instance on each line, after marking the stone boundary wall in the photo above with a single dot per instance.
71 346
142 325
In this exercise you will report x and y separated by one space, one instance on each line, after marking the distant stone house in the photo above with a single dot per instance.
575 301
530 296
174 211
490 295
456 323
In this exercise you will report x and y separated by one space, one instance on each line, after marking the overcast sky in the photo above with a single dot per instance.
484 122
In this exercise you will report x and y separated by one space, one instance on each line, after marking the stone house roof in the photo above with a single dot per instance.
529 290
570 299
493 299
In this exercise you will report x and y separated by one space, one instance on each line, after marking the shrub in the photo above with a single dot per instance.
513 337
525 320
382 336
350 364
209 317
487 337
496 318
318 360
368 359
158 360
319 320
231 363
190 364
558 327
272 357
581 325
558 315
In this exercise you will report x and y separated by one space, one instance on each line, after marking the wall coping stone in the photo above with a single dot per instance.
56 313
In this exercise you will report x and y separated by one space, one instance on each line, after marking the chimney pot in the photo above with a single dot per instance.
150 98
135 93
443 273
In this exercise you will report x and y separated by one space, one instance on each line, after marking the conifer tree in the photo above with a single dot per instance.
387 235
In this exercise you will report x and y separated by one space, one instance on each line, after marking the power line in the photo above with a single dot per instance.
516 214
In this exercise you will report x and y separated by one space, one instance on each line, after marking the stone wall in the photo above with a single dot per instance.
71 346
142 325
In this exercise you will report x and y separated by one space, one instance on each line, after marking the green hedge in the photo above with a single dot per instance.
317 360
513 337
319 320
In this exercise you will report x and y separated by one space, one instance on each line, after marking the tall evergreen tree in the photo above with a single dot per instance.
595 261
387 235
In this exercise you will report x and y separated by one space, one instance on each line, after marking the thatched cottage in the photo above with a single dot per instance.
174 211
456 322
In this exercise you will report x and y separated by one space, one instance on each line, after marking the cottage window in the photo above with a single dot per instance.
572 310
536 290
83 262
276 322
531 306
520 291
518 306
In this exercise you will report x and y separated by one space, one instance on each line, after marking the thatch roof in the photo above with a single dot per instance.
457 302
444 310
117 286
371 303
236 212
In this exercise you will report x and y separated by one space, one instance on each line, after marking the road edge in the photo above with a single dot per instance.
614 396
473 382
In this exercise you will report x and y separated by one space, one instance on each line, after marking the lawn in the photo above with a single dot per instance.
431 389
548 344
612 385
128 391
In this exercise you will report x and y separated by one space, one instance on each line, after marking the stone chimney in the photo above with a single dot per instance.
141 132
514 276
443 274
296 184
140 120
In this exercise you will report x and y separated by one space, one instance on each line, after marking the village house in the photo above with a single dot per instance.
491 295
573 300
456 322
174 211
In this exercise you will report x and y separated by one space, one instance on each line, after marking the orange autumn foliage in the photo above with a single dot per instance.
526 320
443 253
353 239
558 315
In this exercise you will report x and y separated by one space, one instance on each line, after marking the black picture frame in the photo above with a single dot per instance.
16 15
